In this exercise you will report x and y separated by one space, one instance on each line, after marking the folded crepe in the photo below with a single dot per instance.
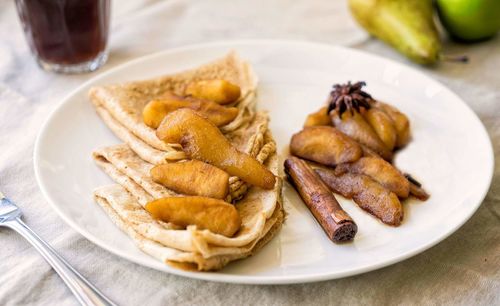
261 211
153 238
252 138
120 106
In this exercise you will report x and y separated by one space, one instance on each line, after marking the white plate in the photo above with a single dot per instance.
450 154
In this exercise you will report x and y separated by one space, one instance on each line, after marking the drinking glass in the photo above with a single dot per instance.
67 36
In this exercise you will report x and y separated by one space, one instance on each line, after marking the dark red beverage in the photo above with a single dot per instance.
66 33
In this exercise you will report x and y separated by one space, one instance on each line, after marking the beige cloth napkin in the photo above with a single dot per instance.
462 270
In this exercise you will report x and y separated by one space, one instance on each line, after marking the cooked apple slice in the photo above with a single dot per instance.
355 126
202 140
401 123
381 171
367 193
325 145
206 213
156 110
192 177
218 91
318 118
383 125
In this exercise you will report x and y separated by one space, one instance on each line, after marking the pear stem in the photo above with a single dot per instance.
455 58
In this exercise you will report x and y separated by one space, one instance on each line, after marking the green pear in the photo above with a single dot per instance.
470 20
407 25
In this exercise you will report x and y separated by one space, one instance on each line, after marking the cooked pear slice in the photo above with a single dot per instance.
192 177
218 91
206 213
367 193
367 152
325 145
383 125
154 112
202 140
401 123
416 189
381 171
318 118
418 192
355 126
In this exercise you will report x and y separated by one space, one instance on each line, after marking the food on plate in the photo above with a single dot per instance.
326 145
140 168
336 223
202 140
319 117
381 171
355 126
157 109
121 105
213 214
370 122
367 193
261 213
383 126
192 177
401 123
367 152
219 91
154 112
416 189
352 152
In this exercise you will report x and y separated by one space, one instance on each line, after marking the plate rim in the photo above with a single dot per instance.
249 279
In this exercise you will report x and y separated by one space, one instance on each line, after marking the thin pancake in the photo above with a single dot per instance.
125 168
120 106
173 256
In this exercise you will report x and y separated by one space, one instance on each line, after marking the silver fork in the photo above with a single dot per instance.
85 292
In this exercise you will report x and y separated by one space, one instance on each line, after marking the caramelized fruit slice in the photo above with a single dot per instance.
381 171
206 213
367 193
202 140
156 110
354 125
193 178
318 118
383 125
416 189
325 145
218 91
401 123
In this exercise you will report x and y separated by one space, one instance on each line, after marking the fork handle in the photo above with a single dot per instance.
84 291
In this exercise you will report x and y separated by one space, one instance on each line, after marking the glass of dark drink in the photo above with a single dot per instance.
68 36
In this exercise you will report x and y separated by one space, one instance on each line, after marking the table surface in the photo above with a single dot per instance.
463 269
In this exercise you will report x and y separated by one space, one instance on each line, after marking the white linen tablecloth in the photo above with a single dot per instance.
464 269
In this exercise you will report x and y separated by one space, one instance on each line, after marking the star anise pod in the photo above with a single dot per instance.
349 97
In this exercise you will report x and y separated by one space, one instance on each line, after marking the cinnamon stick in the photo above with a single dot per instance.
336 223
